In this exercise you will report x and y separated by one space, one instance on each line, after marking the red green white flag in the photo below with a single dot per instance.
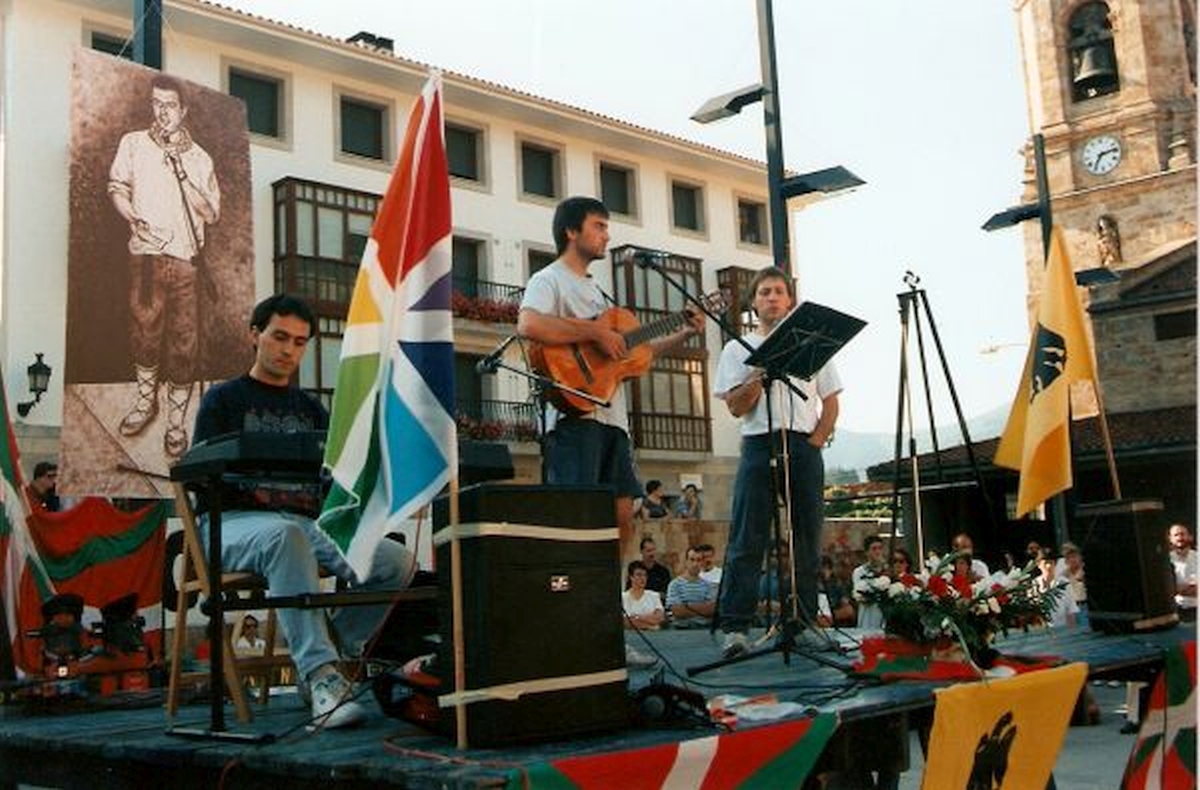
1165 753
761 758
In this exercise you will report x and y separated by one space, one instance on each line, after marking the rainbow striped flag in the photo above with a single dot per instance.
392 442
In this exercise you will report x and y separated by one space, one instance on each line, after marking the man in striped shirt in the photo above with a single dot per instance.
690 599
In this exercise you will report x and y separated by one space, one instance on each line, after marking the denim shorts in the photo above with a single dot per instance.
583 452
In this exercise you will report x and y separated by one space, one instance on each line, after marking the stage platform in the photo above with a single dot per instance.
122 742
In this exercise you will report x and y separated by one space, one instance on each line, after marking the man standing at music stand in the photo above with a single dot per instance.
559 307
807 424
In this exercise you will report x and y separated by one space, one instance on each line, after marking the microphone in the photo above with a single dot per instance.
491 362
650 259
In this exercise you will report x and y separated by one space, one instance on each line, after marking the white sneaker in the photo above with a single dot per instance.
637 659
817 641
333 704
736 643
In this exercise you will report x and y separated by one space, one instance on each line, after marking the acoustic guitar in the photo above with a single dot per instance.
583 366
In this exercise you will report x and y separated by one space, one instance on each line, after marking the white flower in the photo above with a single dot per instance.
880 582
895 590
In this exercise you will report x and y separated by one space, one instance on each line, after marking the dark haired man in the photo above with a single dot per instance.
41 490
807 424
267 527
163 184
558 308
658 576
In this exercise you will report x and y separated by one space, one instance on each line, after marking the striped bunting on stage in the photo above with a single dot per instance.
1165 753
761 758
392 441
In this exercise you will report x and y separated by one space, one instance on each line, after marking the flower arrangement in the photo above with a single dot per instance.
947 607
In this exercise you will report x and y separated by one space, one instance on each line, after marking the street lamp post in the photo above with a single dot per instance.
779 188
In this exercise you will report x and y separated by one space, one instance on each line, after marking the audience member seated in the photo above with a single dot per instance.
869 614
691 601
689 505
1070 567
710 571
841 609
643 607
1183 560
1065 607
963 544
653 505
246 641
658 576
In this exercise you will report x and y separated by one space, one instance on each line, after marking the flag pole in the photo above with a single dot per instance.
456 608
1108 444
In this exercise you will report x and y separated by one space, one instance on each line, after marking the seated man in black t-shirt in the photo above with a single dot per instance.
267 527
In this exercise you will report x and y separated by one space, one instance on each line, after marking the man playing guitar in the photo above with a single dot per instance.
560 304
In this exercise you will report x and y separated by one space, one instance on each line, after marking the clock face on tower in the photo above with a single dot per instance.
1101 154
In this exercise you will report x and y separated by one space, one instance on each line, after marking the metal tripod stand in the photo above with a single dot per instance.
912 302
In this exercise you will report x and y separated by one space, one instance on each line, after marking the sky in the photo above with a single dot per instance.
923 99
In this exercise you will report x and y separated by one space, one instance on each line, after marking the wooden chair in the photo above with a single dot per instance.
195 579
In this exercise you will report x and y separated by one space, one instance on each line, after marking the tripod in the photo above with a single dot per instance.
912 302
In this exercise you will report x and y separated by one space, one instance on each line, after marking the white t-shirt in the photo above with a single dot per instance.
649 603
788 410
558 290
1185 573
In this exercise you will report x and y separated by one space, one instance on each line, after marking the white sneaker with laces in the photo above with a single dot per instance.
736 643
333 704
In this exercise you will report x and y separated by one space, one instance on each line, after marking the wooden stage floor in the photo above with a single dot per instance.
122 742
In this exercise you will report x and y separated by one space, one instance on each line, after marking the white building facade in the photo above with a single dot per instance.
325 118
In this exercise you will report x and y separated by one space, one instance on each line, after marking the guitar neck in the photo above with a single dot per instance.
655 329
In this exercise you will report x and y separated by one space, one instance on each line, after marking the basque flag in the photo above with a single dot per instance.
24 584
392 443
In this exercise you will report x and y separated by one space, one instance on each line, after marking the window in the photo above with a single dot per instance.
320 234
1092 52
539 259
539 170
363 128
264 101
687 207
735 282
617 189
669 405
464 152
112 44
752 222
1172 326
465 257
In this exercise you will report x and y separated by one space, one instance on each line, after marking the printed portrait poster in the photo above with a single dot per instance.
160 275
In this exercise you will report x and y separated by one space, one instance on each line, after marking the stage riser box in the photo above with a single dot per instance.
1130 583
541 612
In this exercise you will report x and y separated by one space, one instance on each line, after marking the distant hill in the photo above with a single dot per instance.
856 450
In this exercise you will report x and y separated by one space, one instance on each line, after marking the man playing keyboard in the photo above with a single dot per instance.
268 527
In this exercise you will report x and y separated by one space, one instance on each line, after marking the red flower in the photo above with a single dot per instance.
909 580
962 584
937 585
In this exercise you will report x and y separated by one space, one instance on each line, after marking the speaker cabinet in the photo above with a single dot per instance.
1130 583
543 642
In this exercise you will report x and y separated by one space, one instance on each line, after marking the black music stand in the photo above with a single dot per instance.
799 346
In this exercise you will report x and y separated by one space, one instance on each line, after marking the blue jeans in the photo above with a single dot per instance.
288 550
586 452
750 529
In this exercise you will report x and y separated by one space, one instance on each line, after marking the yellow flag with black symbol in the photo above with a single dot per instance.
1002 734
1036 439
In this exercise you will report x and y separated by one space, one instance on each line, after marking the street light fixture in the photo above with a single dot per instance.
39 381
779 189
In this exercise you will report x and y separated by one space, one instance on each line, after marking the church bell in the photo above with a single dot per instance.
1096 67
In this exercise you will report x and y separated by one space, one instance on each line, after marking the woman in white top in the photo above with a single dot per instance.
643 608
